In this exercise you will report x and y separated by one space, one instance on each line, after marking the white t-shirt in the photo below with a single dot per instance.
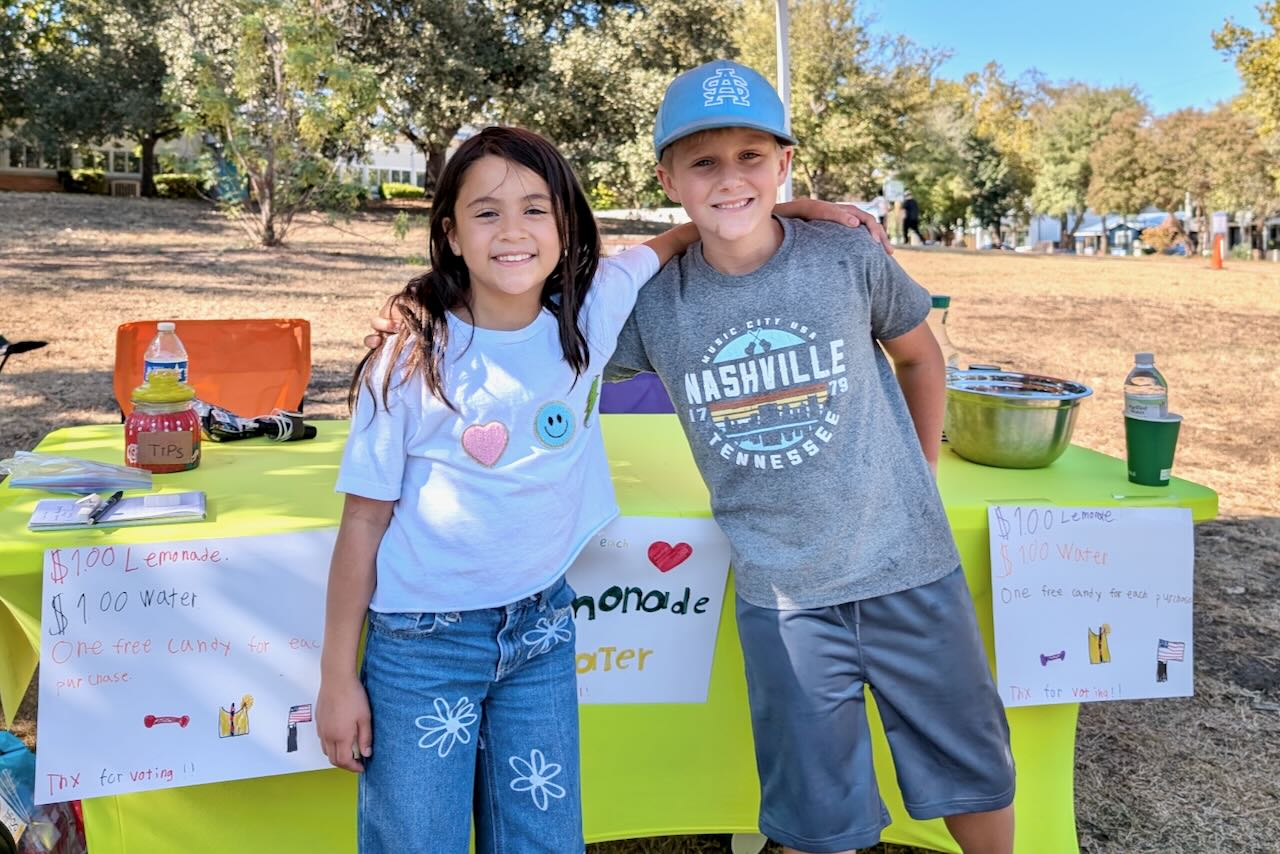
493 501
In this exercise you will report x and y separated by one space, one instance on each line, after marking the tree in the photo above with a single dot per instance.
1257 56
992 186
97 73
854 96
1119 164
1003 137
604 81
1072 120
268 81
931 164
1244 166
443 64
1178 164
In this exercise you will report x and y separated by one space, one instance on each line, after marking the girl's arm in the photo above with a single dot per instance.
850 215
342 708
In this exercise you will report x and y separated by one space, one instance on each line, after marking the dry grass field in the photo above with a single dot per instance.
1198 775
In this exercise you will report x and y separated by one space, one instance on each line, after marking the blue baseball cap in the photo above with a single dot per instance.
719 94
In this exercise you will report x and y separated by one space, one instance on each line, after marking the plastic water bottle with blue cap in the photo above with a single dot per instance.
165 352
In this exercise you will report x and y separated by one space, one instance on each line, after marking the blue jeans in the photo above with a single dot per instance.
475 715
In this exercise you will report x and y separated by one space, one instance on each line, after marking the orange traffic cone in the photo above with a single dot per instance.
1216 259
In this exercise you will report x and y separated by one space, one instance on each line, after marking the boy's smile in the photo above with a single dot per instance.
727 180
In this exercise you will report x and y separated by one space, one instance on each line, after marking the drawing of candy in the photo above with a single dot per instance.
1061 655
151 720
667 557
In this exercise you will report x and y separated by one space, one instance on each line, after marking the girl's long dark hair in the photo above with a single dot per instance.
424 303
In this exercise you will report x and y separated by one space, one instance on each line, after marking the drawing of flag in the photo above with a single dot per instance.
1170 650
302 714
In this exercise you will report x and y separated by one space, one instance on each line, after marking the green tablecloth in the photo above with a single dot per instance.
647 769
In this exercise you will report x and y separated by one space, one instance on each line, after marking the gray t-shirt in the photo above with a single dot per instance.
796 420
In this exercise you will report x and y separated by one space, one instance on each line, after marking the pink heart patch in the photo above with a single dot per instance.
667 557
485 442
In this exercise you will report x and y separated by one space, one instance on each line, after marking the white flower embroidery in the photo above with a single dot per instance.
447 726
535 776
547 634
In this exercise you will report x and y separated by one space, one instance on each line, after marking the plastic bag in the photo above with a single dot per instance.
48 829
30 470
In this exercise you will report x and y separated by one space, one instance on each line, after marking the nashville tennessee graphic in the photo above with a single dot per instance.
769 389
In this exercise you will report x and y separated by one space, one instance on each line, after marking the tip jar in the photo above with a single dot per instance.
162 433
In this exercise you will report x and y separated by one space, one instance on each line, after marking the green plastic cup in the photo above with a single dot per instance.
1149 445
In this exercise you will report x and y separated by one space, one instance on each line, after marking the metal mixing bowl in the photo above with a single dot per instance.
1008 419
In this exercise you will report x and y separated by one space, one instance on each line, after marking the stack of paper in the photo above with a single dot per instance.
61 514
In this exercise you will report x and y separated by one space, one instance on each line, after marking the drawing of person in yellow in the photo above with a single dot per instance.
233 721
1099 648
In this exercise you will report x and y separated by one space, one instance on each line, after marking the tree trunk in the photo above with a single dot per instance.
1064 238
435 155
148 143
1102 237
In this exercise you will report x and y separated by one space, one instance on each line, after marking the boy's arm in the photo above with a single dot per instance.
922 374
342 708
674 241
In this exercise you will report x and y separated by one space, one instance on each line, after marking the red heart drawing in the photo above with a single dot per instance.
667 557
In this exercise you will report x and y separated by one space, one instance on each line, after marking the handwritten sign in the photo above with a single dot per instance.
650 591
173 664
180 663
1091 603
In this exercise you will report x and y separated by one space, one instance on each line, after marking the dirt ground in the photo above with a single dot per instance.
1193 775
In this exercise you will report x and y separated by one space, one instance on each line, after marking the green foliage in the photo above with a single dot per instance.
285 102
1257 56
600 90
395 190
178 185
1120 162
94 70
602 197
89 181
1072 119
404 223
443 64
855 96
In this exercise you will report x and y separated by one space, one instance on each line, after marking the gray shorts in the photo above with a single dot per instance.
920 652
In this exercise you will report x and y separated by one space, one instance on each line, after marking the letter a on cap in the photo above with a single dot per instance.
725 86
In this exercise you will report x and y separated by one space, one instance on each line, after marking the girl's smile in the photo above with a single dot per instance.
505 232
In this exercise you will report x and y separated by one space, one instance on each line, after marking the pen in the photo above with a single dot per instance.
105 506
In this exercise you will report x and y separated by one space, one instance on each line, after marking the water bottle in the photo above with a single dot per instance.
938 323
1146 394
165 352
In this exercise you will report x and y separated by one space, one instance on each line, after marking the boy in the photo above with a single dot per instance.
818 460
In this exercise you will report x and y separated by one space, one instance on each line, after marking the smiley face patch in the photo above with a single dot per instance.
553 425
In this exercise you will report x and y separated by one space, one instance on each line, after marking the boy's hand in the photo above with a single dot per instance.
850 215
344 723
384 322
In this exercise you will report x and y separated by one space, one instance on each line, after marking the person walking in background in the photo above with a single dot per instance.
910 217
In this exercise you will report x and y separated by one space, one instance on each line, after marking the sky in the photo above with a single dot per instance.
1163 48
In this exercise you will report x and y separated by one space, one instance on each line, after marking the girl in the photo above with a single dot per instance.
474 474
